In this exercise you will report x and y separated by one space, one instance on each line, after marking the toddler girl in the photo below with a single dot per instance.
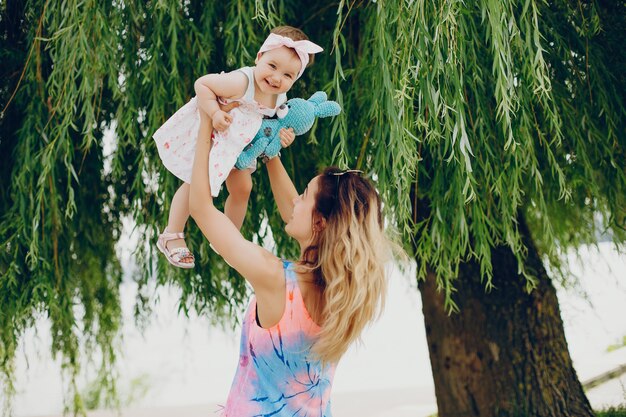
259 92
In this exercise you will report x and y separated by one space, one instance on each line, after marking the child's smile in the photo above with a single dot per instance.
276 70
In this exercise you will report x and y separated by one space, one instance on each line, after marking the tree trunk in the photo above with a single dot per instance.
504 353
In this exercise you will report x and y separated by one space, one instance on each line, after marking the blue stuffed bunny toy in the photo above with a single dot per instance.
300 116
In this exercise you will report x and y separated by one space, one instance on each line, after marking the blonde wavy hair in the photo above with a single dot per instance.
347 258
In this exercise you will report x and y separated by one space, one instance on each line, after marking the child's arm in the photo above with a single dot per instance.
226 85
283 189
258 266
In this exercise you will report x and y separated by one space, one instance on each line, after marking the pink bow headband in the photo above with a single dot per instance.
303 48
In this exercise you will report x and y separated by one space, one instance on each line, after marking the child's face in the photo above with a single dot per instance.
276 70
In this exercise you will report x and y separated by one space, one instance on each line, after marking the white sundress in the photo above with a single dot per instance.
176 138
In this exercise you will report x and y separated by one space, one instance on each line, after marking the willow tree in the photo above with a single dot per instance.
494 130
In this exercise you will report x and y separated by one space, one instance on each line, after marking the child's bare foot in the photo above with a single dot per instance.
173 246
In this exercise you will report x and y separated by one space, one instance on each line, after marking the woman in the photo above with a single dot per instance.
304 314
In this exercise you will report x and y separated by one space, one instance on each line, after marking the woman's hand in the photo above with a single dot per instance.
228 107
287 136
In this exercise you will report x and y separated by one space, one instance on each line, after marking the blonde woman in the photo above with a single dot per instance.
304 314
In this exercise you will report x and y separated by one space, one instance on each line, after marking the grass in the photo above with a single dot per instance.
619 411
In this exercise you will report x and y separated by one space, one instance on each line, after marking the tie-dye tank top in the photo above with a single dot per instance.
277 375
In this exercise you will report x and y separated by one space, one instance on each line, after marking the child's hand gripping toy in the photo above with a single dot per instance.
300 116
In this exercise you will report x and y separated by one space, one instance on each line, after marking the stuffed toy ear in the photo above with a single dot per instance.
329 108
318 97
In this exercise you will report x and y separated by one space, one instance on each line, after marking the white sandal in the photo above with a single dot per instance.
175 255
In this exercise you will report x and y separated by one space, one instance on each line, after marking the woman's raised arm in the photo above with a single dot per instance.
258 266
282 187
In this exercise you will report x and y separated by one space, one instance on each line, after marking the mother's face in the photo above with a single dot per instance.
300 225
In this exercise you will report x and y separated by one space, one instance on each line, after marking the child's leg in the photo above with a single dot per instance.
179 214
239 185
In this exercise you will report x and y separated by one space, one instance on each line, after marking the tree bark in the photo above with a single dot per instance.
504 353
